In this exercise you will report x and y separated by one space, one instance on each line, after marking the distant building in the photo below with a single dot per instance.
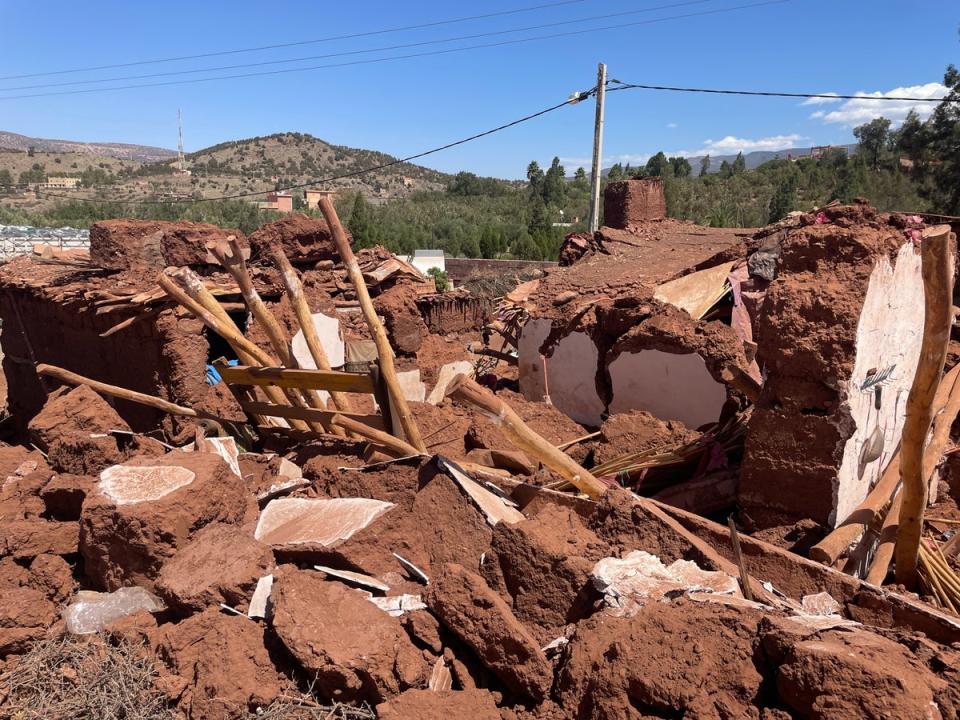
423 260
61 183
819 151
312 197
279 200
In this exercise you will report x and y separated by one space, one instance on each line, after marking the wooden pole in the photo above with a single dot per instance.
305 318
384 352
71 378
230 256
465 390
594 221
741 565
248 353
888 538
390 442
938 316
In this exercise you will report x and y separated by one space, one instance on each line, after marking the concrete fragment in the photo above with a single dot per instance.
260 606
292 522
481 619
331 339
638 578
354 650
820 604
91 612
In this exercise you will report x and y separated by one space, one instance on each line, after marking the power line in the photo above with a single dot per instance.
575 98
465 48
345 53
276 46
765 93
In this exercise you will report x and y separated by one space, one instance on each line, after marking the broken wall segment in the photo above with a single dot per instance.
839 335
304 240
148 246
630 202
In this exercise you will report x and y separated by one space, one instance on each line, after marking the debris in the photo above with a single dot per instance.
631 582
91 612
417 573
397 605
494 507
292 522
352 578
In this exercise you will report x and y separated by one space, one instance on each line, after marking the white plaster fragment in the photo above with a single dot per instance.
572 379
260 600
131 484
445 376
353 578
494 508
397 605
308 521
530 362
638 578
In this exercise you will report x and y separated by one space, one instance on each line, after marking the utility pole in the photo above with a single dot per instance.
597 148
181 163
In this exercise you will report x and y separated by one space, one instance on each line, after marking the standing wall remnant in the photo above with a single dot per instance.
839 336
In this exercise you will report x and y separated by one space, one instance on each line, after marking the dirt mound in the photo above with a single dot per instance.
304 240
636 431
429 705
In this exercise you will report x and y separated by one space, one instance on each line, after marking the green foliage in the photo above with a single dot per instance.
874 139
441 279
36 174
6 179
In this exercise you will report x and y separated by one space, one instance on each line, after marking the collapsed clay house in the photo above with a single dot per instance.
679 373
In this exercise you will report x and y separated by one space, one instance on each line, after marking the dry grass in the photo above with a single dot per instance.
73 678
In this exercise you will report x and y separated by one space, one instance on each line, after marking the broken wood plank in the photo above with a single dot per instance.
295 378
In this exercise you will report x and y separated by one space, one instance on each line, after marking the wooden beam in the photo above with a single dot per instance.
391 443
465 390
937 257
303 379
397 401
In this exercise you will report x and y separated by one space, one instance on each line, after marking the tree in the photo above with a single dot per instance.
944 130
912 139
554 186
539 219
471 247
441 279
704 165
488 242
580 181
524 248
6 179
615 173
873 138
784 196
681 167
359 223
726 170
535 177
658 166
739 165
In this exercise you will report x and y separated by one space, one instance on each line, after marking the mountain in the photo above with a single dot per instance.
121 151
756 158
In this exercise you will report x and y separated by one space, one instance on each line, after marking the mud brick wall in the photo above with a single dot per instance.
460 268
163 355
454 312
630 202
847 304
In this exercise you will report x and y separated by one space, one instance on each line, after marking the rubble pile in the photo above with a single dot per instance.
613 521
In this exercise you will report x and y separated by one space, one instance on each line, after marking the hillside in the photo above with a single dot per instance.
753 159
241 166
121 151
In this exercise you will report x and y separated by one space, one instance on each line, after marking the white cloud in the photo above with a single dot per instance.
672 125
731 145
862 109
818 114
821 100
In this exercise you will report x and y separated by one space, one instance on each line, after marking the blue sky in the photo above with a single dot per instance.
405 106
